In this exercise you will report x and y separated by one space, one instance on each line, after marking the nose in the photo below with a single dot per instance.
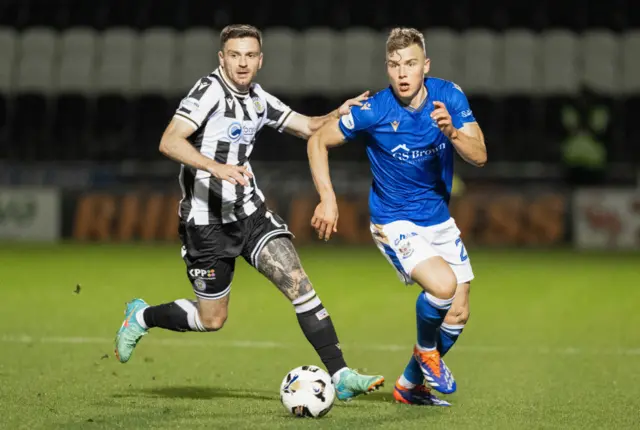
402 71
243 62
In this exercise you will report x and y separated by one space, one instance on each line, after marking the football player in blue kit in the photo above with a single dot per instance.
413 128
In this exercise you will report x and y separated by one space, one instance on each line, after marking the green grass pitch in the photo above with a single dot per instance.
553 342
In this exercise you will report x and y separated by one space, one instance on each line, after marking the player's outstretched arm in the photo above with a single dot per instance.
468 140
174 144
304 126
325 217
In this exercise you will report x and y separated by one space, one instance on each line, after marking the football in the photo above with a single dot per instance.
307 391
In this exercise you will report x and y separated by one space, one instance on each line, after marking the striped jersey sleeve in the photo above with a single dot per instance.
202 101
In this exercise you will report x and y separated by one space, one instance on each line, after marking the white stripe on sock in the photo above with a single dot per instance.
405 383
454 329
424 348
140 318
193 318
306 302
438 303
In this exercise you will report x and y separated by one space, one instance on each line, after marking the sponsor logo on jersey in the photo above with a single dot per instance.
366 106
403 153
395 125
466 113
234 131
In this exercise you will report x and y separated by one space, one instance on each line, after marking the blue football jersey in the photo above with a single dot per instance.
411 159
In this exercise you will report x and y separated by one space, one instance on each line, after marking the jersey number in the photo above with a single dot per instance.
463 252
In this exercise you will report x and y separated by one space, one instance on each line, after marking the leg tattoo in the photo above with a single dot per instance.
280 263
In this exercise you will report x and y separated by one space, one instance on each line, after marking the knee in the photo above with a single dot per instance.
445 286
213 322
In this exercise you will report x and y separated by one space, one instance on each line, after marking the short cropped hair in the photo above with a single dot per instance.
239 31
403 37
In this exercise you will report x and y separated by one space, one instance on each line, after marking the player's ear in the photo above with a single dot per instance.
427 65
260 62
221 58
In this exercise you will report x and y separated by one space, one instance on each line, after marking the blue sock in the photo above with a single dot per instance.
413 373
430 312
448 335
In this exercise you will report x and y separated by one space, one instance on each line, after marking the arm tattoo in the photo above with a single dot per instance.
279 262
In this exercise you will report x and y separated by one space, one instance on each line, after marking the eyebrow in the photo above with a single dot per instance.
405 61
231 51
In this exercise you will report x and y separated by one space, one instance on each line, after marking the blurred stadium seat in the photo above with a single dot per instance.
82 80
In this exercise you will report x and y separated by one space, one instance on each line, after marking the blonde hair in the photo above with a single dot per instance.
403 37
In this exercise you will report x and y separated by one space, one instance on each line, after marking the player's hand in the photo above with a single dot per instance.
325 219
357 101
442 117
233 174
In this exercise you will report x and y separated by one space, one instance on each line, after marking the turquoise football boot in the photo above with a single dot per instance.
352 384
130 332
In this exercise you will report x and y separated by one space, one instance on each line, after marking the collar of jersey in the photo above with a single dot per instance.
419 108
230 85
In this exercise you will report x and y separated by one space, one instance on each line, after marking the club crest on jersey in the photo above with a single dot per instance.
234 131
395 125
257 104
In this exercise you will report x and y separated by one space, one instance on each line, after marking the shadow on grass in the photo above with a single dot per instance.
191 392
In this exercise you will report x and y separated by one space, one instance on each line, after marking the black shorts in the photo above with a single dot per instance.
210 251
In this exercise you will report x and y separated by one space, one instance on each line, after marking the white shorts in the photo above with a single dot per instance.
405 245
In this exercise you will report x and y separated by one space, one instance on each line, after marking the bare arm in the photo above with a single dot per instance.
469 143
325 218
174 145
468 140
304 126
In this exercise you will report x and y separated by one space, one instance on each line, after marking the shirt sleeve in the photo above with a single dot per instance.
458 107
277 114
361 118
203 100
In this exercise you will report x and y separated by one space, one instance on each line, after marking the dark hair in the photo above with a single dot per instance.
239 31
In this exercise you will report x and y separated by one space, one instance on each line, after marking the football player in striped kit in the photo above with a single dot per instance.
223 213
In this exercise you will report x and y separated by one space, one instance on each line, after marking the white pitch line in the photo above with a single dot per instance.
250 344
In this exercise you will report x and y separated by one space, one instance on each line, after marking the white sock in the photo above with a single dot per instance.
336 376
404 382
140 318
423 349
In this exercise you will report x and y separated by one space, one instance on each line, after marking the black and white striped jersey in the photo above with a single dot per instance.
226 123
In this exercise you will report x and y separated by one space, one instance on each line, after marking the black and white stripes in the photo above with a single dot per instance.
226 122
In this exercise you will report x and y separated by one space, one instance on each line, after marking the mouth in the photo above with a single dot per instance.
404 87
242 73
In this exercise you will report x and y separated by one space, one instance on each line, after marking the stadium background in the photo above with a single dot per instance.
86 199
